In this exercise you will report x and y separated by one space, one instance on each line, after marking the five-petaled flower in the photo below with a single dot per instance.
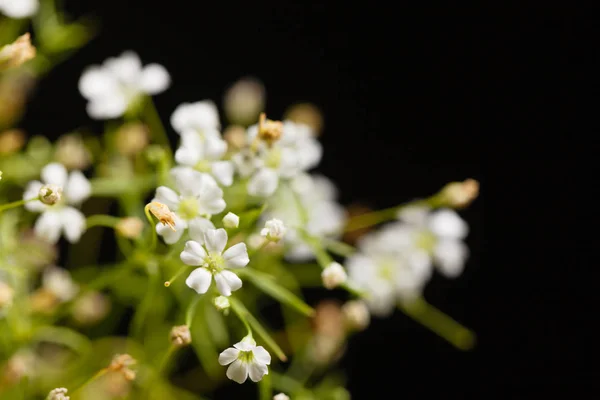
245 359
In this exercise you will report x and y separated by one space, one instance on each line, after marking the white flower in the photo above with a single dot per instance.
274 230
58 394
356 314
201 117
212 261
281 396
19 8
246 359
205 155
58 282
333 276
62 216
198 197
230 220
120 82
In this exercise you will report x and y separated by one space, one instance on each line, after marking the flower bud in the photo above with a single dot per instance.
307 114
90 308
460 194
356 314
130 227
222 304
281 396
181 336
58 394
6 295
231 220
72 153
235 136
162 213
132 138
274 230
50 194
334 275
11 141
17 53
121 363
244 100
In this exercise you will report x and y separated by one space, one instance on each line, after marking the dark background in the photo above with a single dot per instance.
412 98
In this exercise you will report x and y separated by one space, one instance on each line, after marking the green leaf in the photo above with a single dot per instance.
243 313
269 285
202 342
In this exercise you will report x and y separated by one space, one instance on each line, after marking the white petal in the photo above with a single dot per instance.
190 182
167 196
193 253
246 344
448 224
199 280
197 227
33 190
127 67
228 356
155 79
257 371
187 156
263 183
215 240
450 256
19 8
223 172
238 371
227 282
73 223
55 174
107 107
78 188
96 82
169 235
214 148
48 226
236 256
261 355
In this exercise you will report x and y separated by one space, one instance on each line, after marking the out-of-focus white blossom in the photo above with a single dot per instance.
230 220
198 197
58 394
245 359
119 83
19 8
205 155
214 262
274 230
58 282
280 396
200 117
334 275
63 216
244 100
356 314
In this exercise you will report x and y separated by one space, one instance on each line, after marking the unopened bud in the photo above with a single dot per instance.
222 304
235 136
307 114
17 53
6 295
162 212
460 194
274 230
356 314
333 276
121 363
181 336
132 138
58 394
50 194
72 153
130 227
281 396
231 220
268 130
11 141
90 308
244 100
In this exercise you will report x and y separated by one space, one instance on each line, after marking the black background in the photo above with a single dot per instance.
413 98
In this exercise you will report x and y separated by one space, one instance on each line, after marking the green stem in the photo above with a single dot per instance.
191 311
440 323
17 203
176 276
143 309
107 221
157 129
152 229
242 317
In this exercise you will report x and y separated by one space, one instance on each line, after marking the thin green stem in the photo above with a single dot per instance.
181 271
143 309
242 317
16 204
107 221
152 230
157 129
191 311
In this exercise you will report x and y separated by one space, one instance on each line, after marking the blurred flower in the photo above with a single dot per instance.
19 8
245 359
17 53
131 138
200 117
356 314
59 217
119 83
58 282
181 336
329 332
281 396
307 114
50 194
72 153
333 276
235 136
121 363
15 85
164 215
274 230
460 194
11 141
213 262
230 220
6 295
90 308
58 394
130 227
268 130
244 100
20 365
205 155
198 197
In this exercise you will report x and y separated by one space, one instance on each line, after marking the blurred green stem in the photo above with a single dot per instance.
16 204
157 129
107 221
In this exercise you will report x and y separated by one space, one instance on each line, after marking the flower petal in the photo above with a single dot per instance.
187 156
215 240
197 228
97 82
236 256
263 183
238 371
167 196
450 256
199 280
33 190
261 355
214 148
109 106
169 235
48 226
448 224
223 172
257 371
78 188
228 356
227 282
73 223
154 79
193 253
127 67
55 174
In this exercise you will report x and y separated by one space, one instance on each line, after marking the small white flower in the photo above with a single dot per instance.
245 359
230 220
356 314
19 8
198 197
62 216
213 262
120 82
58 282
205 154
200 117
334 275
281 396
58 394
274 230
